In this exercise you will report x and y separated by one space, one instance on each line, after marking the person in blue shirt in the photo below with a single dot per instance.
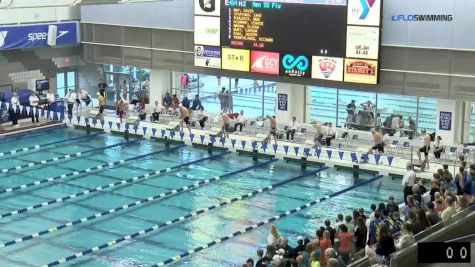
186 102
196 105
167 100
460 180
468 186
373 227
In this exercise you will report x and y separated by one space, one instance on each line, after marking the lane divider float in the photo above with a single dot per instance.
189 215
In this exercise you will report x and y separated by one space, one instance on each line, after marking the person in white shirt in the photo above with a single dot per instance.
156 112
15 102
329 134
292 128
34 100
241 121
71 99
50 98
408 181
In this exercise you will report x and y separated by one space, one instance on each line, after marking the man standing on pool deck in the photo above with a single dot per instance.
408 181
273 129
185 118
121 109
319 136
71 99
425 148
378 142
226 125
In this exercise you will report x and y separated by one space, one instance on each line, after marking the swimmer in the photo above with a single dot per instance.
273 129
185 118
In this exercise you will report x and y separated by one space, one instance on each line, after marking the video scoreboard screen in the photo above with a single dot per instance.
334 40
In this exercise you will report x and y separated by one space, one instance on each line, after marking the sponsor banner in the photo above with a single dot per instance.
235 59
208 7
445 121
265 62
38 35
327 68
295 65
208 56
282 102
361 71
362 42
364 12
207 30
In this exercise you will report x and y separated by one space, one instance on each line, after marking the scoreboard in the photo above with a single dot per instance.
334 40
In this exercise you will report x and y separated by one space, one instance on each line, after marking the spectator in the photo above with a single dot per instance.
449 211
260 258
362 215
331 230
250 263
373 227
432 215
406 238
361 232
447 175
408 181
241 121
270 253
156 112
439 205
71 99
196 105
313 260
421 215
460 180
175 102
333 263
229 100
274 237
185 102
392 206
385 245
329 134
349 224
350 109
330 253
167 100
50 99
462 204
373 211
346 242
34 100
438 147
292 128
300 248
417 226
395 223
289 251
309 248
301 261
102 105
467 188
324 244
339 221
434 187
102 87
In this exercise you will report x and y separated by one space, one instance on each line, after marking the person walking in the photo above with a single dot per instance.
102 104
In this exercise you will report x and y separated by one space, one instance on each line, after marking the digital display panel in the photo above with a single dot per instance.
335 40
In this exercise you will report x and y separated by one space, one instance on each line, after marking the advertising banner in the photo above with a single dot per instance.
327 68
361 71
362 42
235 59
295 65
265 62
208 56
207 30
39 35
445 121
429 23
364 12
282 102
208 7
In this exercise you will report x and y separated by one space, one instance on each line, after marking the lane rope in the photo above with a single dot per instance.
189 215
104 213
76 173
254 226
89 191
37 147
68 156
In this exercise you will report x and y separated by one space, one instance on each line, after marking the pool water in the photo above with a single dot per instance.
170 241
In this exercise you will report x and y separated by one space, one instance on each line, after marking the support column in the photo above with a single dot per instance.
450 125
295 104
159 85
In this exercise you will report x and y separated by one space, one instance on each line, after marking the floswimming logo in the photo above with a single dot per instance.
367 5
3 37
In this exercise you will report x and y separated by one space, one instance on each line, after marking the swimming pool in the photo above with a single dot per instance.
68 202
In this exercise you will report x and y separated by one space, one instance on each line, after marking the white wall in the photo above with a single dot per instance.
295 105
34 11
160 82
453 136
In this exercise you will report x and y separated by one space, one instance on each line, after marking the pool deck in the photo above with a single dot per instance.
26 126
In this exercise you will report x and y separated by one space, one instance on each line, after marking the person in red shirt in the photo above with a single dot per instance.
346 243
175 102
324 244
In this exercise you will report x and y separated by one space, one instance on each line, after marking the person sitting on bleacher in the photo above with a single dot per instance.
167 100
156 112
329 134
378 142
241 121
175 102
438 147
291 129
185 102
319 136
196 105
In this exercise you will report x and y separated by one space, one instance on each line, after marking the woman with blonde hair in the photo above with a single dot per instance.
314 260
385 245
274 237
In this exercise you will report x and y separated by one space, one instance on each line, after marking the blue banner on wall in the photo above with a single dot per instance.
445 121
36 35
282 101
